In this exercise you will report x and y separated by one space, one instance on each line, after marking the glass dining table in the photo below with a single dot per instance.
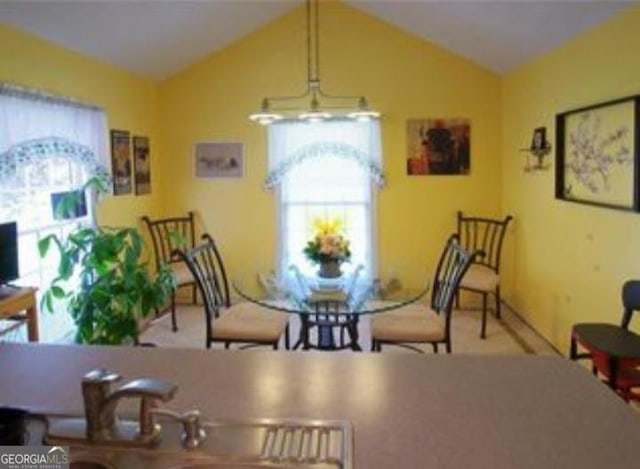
330 310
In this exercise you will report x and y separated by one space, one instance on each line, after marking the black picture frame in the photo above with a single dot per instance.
597 154
141 164
539 139
121 162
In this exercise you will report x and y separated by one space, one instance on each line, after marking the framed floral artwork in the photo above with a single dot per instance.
121 162
142 165
214 160
597 155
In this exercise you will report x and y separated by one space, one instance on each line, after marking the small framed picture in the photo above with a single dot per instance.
438 146
539 140
216 160
121 162
142 165
68 205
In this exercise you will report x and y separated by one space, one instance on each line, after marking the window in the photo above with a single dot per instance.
47 145
28 201
325 170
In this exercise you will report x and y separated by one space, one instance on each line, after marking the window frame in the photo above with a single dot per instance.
282 265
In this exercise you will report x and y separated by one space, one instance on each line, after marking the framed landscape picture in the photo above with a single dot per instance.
121 162
597 155
438 146
142 165
214 160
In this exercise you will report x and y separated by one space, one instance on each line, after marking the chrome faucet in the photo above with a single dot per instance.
100 404
101 426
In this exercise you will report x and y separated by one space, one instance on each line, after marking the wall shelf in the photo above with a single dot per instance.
539 154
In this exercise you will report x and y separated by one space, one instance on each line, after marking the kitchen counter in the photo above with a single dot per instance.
407 410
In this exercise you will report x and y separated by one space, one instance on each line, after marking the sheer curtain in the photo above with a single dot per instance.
47 145
29 115
325 170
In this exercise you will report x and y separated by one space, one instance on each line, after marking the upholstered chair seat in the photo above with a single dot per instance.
248 322
410 324
480 278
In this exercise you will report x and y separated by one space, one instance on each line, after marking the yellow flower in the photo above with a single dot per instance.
328 242
327 227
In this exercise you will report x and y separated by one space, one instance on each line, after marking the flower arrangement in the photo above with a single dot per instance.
328 244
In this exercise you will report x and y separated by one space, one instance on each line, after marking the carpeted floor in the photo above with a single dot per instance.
508 336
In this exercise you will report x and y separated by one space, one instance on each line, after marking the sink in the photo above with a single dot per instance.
250 444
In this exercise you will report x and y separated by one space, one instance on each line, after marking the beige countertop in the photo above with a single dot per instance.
408 410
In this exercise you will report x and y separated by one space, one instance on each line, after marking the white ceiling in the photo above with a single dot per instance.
156 39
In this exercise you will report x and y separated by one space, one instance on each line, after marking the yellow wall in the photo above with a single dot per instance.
131 103
568 261
402 76
563 263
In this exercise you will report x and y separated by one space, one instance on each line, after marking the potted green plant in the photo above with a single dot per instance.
103 274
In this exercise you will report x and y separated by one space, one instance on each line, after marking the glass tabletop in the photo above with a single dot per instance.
348 295
329 309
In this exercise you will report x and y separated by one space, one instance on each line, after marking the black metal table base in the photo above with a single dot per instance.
326 326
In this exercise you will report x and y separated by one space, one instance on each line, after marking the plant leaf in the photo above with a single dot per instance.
57 292
43 245
65 268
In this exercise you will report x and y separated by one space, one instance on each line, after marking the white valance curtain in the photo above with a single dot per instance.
36 125
291 143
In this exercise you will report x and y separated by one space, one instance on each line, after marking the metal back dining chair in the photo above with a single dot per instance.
416 324
243 323
483 276
167 235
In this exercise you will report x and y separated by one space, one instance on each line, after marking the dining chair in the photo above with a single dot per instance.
483 276
417 323
243 323
614 350
167 235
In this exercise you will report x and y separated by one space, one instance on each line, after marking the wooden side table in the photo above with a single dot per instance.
21 302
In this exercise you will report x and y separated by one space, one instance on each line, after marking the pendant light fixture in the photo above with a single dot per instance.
274 108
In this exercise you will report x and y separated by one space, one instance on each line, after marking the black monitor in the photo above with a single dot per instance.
8 252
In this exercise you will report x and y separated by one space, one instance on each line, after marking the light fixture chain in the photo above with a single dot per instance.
317 44
309 70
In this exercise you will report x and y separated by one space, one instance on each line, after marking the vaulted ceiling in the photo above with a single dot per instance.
156 39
